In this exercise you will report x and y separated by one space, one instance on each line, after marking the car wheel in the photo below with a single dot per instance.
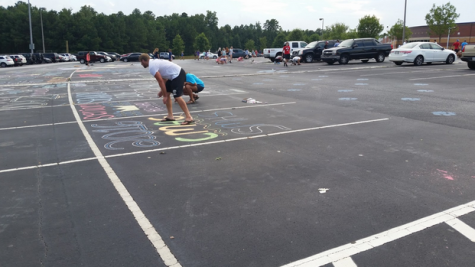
398 63
380 57
309 58
102 60
365 61
418 61
3 65
125 60
82 61
471 65
330 62
343 59
450 59
272 59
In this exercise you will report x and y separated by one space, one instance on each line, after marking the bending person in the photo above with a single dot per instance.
175 76
193 85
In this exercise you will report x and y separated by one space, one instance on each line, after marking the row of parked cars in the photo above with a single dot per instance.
35 58
365 49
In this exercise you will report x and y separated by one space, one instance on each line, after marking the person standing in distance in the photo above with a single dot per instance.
171 79
156 53
464 44
231 54
170 55
286 52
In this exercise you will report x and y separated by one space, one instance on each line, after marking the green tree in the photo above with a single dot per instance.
279 40
369 27
351 34
202 42
263 43
396 31
336 31
250 44
271 29
295 35
314 37
442 18
178 44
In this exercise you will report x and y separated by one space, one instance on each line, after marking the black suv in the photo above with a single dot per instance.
113 57
313 51
53 56
351 49
117 56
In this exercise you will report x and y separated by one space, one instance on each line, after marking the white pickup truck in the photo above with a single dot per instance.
272 53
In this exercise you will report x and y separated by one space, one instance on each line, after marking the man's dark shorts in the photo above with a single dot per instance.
287 56
200 88
175 86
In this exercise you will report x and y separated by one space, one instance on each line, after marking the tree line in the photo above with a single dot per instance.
87 29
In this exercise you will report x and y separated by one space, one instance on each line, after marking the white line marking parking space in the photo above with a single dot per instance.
462 228
377 240
191 145
152 234
440 77
346 262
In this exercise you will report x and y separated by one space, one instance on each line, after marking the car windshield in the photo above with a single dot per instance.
312 44
347 43
410 45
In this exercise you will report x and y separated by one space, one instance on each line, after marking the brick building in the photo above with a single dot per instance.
464 31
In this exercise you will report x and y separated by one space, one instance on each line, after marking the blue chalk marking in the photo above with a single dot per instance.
347 99
444 113
316 79
361 79
344 91
420 84
425 91
293 90
410 99
257 83
299 83
361 84
323 76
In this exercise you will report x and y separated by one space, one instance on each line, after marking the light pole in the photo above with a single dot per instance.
42 35
404 27
323 21
32 46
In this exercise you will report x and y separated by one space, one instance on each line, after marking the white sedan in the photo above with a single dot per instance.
422 52
210 55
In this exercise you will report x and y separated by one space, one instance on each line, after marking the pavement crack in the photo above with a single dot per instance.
40 216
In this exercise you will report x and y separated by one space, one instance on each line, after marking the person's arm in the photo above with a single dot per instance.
163 88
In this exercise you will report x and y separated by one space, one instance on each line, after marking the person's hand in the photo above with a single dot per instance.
165 99
160 94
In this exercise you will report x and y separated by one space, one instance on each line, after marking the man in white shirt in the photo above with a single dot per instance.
171 79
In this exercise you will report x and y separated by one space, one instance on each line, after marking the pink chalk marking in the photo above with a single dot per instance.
90 75
446 175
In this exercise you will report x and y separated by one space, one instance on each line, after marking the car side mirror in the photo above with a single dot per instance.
355 45
443 49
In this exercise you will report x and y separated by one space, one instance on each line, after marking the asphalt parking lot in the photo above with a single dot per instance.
343 165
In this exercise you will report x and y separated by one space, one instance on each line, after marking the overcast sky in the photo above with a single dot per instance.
303 14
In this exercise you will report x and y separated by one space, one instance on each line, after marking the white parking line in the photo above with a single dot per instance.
148 115
440 77
462 228
190 145
377 240
346 262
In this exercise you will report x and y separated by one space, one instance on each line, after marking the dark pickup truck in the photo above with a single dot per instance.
351 49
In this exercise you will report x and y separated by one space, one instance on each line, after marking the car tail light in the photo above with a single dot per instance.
405 52
392 46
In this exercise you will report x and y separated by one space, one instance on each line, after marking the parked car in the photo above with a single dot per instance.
117 56
94 57
165 55
113 57
131 57
47 60
422 52
53 56
272 53
19 60
313 51
39 58
63 58
468 55
363 49
6 61
210 55
69 57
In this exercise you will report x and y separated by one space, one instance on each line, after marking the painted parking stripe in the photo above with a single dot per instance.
462 228
346 262
191 145
440 77
377 240
148 229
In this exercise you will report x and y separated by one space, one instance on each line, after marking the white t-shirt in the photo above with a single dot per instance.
230 52
168 70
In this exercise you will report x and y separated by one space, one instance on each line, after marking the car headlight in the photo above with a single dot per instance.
108 58
301 52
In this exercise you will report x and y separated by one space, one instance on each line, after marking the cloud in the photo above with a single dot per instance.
310 8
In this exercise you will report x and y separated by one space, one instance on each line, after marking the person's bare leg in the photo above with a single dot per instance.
184 107
169 107
187 91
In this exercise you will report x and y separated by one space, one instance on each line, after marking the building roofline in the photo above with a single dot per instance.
455 23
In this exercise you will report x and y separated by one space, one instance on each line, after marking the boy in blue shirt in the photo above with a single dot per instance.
193 85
